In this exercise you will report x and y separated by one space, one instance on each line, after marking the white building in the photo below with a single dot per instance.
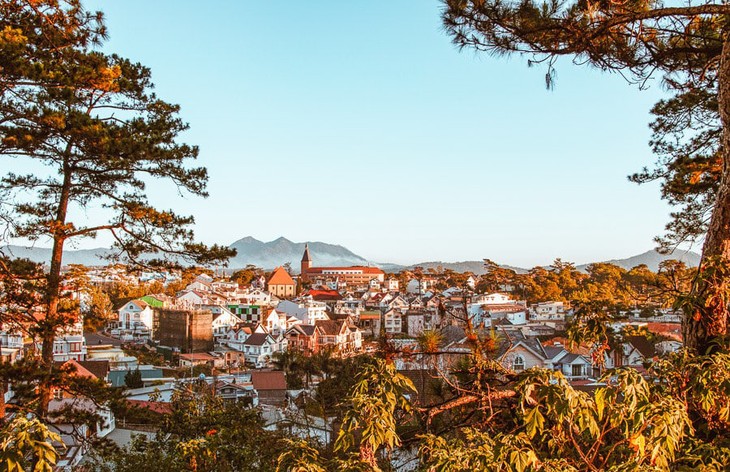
548 311
135 320
308 311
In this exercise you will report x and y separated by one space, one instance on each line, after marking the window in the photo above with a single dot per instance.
518 364
577 370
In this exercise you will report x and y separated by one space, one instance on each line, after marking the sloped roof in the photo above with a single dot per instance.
273 380
153 301
197 356
280 277
307 330
100 369
79 370
642 345
306 257
321 295
157 407
256 339
552 351
329 327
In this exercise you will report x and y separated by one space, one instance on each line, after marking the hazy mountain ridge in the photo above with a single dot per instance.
88 257
652 259
281 250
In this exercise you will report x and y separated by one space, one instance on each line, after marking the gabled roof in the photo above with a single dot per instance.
329 327
641 344
552 351
157 407
79 370
257 339
100 369
307 330
280 277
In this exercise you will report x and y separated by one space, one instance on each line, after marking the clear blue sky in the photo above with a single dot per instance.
359 123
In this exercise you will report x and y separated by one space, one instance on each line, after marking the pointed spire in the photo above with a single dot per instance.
305 257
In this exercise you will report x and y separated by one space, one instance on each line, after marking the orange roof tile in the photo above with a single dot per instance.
280 277
79 370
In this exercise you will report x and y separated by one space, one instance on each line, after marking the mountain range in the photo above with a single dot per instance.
280 251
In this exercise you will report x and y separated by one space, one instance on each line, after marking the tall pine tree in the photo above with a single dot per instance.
89 131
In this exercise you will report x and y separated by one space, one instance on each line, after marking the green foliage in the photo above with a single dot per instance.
629 424
133 379
686 135
246 275
376 397
204 434
27 441
299 456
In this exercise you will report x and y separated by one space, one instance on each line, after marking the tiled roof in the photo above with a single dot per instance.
321 295
140 303
280 277
256 339
273 380
157 407
100 369
307 330
79 370
329 327
642 345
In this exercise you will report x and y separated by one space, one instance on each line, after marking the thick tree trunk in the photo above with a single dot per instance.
705 326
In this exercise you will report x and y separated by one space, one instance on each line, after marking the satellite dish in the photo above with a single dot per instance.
201 376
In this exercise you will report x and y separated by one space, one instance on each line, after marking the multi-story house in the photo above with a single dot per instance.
342 336
260 347
548 311
136 318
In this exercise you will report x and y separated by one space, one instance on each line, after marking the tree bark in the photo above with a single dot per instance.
705 325
53 292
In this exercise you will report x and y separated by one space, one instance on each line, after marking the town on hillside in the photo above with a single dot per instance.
264 339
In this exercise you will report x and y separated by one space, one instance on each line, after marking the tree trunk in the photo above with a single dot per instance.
53 293
705 325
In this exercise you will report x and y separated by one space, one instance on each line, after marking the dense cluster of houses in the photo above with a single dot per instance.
238 330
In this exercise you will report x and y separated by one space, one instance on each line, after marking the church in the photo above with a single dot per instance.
352 276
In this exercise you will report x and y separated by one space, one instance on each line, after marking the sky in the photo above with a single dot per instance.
359 123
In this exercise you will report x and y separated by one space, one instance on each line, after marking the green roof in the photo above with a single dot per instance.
152 301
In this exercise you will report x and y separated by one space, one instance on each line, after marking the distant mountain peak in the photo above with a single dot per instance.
281 250
246 240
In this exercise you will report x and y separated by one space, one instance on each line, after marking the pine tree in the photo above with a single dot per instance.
89 126
688 44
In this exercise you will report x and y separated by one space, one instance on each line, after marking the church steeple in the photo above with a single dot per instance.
306 260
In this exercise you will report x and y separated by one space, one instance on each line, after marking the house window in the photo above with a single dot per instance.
577 370
518 364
